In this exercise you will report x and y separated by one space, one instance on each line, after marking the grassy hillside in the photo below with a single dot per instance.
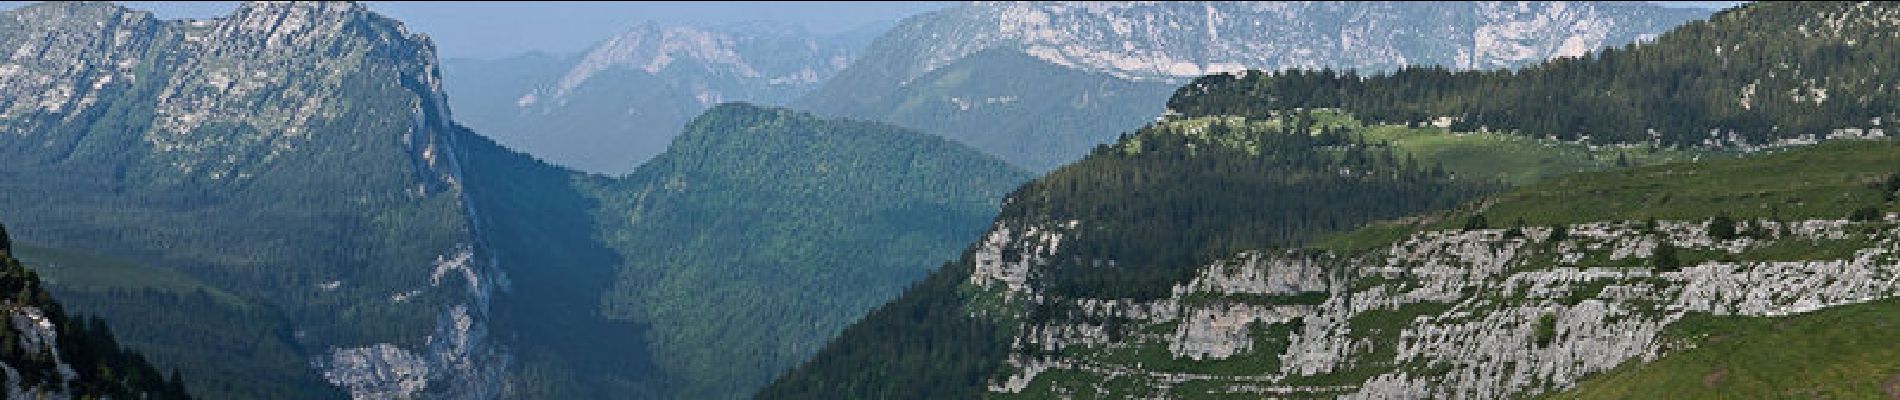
1838 353
1830 181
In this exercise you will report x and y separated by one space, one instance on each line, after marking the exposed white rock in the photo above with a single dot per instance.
1485 292
379 371
1174 40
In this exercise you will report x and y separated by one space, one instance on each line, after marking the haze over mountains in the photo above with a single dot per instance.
1381 201
610 109
1036 84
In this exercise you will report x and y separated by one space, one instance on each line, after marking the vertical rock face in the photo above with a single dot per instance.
1040 83
210 128
621 102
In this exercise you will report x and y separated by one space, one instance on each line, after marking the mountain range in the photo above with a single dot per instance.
620 103
1128 274
1150 202
1034 83
1040 83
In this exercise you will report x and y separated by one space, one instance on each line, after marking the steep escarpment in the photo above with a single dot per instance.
1072 72
291 154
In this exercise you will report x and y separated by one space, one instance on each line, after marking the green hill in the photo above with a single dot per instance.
729 258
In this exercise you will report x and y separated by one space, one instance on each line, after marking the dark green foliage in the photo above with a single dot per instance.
102 368
1476 222
1664 259
732 257
1889 189
1559 232
1545 331
543 231
1868 213
1756 72
1721 227
1159 203
175 320
1167 200
924 345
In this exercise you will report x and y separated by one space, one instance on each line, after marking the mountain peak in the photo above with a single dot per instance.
724 50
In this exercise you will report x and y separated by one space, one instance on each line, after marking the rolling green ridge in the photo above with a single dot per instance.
761 232
758 235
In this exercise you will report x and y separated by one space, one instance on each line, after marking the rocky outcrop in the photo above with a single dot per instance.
321 104
1487 313
1176 40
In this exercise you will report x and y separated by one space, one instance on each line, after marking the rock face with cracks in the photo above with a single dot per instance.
1485 313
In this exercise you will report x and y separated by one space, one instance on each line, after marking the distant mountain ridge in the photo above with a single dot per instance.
619 103
1095 50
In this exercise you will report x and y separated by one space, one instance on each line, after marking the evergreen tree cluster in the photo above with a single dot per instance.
102 369
1160 204
923 345
1761 72
1154 207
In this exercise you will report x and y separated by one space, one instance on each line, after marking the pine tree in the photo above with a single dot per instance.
1476 222
1664 259
1722 228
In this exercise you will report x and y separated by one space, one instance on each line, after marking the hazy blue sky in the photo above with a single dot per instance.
499 29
